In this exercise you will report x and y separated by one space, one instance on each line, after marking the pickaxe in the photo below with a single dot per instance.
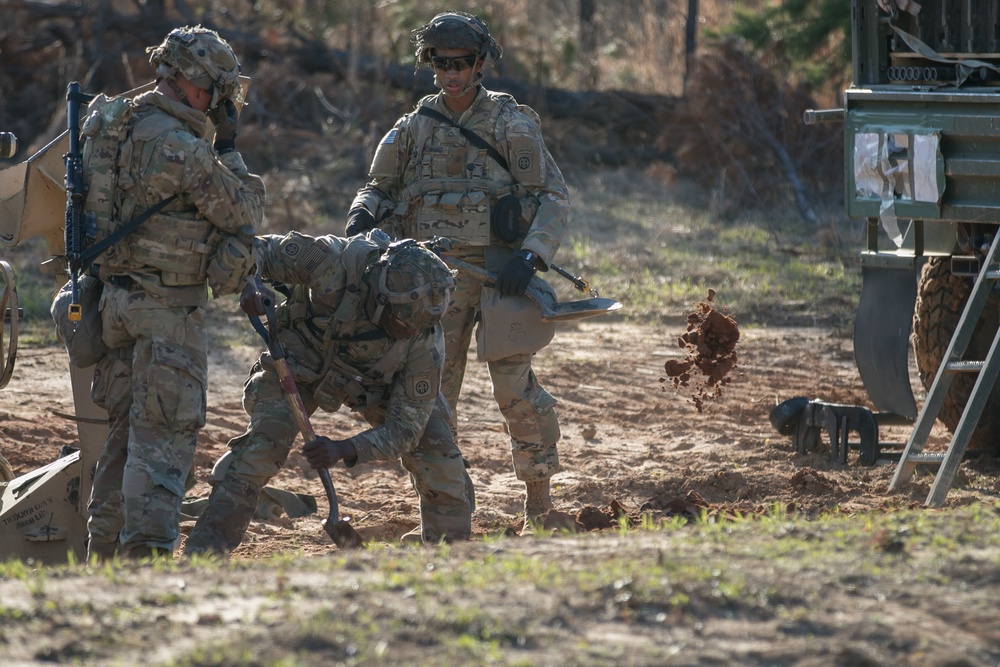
339 529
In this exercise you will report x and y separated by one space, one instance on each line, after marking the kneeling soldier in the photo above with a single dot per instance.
360 328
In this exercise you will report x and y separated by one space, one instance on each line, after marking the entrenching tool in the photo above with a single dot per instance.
551 310
339 529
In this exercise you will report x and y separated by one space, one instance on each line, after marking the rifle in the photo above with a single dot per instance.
74 232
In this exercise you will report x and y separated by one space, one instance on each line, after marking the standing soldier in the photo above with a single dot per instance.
359 329
148 156
470 164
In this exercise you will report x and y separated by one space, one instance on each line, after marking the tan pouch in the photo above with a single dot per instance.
509 326
83 342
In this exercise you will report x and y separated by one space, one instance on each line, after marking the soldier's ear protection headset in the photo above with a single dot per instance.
426 301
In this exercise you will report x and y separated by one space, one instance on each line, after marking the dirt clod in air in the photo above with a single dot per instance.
711 357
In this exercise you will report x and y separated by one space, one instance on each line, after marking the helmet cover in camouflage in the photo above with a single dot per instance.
456 30
204 58
412 287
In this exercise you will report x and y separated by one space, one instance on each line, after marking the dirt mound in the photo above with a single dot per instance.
710 341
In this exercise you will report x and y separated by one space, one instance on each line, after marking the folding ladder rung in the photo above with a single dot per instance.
965 366
926 458
949 460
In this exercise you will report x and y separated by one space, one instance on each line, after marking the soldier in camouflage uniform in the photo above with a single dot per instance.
471 165
138 153
359 329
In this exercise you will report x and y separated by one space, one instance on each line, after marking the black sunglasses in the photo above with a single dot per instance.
458 63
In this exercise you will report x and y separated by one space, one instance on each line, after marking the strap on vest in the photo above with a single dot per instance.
473 138
91 253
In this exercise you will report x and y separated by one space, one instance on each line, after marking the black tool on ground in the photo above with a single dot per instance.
338 528
806 420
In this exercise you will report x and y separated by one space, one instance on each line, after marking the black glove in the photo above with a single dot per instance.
226 119
324 452
256 297
359 221
514 277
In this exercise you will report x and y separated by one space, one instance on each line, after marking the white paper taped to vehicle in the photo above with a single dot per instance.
897 166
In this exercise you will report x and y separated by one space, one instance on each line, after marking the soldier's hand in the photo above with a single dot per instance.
514 277
256 297
324 452
359 221
226 119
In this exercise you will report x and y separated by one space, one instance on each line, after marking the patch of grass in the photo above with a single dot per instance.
520 601
660 252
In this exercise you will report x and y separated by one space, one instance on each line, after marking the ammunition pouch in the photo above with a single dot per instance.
234 260
463 217
343 386
511 325
83 342
506 218
179 247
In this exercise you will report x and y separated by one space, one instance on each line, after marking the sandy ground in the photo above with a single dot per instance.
631 441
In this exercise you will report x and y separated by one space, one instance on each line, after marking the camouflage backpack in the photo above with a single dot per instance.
104 130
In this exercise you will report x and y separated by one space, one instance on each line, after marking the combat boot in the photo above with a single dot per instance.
101 552
537 503
144 552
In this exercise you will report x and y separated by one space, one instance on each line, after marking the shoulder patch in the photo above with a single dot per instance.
422 386
526 160
385 162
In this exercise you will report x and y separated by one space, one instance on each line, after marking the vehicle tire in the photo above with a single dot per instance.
941 298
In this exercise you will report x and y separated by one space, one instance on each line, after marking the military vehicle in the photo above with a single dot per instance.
922 166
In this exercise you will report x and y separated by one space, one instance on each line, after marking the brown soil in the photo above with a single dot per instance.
710 342
628 446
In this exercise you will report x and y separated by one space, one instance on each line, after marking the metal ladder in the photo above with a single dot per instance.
953 363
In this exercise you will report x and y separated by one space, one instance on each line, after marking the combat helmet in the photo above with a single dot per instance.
456 30
410 287
204 58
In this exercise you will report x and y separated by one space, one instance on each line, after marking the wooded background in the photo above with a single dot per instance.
703 89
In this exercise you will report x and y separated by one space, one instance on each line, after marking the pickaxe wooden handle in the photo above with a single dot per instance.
340 530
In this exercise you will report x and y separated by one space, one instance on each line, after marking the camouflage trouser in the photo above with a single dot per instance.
436 468
169 379
527 408
112 390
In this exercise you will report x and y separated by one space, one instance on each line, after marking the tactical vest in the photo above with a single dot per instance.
450 193
121 143
324 335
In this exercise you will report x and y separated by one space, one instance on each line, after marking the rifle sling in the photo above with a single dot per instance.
91 253
473 138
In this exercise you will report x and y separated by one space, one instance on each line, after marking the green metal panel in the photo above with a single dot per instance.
969 127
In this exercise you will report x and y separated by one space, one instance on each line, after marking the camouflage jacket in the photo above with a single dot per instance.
420 150
217 189
342 358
